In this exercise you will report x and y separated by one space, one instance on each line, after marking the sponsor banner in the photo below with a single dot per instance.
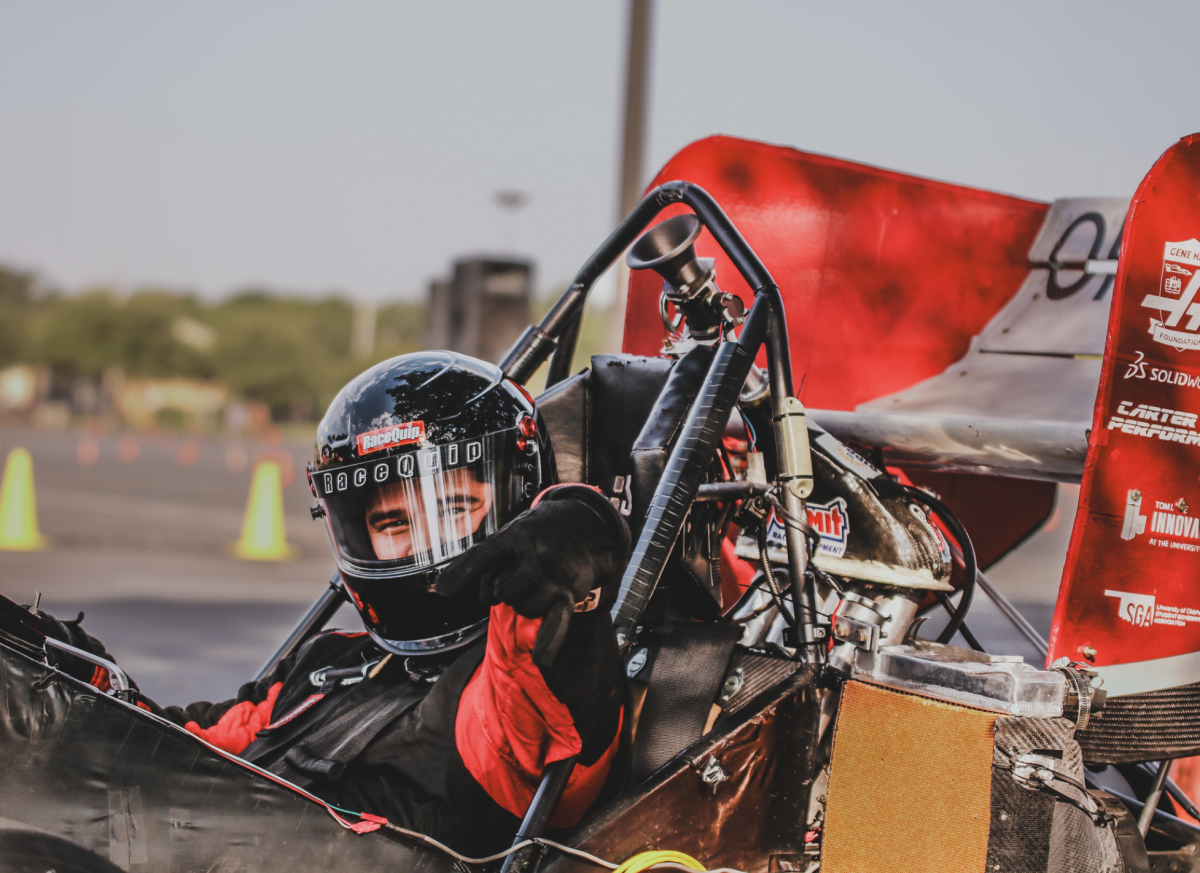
1128 594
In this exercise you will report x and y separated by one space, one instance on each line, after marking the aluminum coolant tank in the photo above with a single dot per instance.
1000 683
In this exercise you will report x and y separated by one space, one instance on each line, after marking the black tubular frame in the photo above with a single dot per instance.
556 337
314 621
970 565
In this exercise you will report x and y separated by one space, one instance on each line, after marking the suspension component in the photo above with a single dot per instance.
791 428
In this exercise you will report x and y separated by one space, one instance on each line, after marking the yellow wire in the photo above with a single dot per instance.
646 860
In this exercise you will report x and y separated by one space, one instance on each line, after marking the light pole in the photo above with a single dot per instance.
633 142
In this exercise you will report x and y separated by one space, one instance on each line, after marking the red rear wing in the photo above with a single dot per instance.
886 278
1130 598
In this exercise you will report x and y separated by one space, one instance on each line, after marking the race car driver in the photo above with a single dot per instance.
484 590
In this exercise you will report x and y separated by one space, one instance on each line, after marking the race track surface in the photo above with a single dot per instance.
140 541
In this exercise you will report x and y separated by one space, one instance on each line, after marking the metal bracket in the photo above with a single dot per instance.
713 775
858 633
732 685
122 688
792 430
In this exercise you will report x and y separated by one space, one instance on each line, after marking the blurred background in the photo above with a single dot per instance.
213 215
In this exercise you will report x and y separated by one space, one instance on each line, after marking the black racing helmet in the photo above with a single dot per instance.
417 460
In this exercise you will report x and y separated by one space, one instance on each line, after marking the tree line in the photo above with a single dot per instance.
289 352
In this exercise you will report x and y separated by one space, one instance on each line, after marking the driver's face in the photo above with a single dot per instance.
396 528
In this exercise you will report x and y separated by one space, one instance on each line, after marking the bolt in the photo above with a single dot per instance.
1089 653
841 630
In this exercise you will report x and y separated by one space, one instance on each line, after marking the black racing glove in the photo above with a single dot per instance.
565 555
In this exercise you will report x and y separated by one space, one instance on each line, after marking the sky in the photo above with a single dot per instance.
356 147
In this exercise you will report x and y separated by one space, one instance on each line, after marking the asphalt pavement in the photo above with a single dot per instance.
141 531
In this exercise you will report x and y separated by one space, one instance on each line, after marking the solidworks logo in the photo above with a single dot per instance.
1137 609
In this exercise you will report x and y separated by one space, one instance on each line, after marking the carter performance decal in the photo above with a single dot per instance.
391 436
1144 420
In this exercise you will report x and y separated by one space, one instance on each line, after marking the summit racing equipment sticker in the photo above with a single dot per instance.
391 436
1172 425
830 521
1177 287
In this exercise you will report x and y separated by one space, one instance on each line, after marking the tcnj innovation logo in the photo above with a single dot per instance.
1170 520
1172 425
1178 285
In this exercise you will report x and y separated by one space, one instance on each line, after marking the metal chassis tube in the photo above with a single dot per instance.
766 324
314 621
558 333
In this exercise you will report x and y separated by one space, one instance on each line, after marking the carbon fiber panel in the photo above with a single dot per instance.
759 672
1144 727
1032 831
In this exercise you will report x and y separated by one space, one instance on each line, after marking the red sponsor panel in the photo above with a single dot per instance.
1129 601
885 277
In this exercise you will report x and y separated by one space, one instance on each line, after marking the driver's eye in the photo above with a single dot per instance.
393 524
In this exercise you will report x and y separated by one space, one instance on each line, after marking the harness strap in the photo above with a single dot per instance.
325 754
685 677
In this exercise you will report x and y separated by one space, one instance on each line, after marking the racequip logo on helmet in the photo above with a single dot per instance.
420 462
393 435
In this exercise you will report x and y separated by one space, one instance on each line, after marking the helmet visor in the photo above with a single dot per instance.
408 512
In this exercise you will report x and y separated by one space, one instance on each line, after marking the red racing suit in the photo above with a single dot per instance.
462 764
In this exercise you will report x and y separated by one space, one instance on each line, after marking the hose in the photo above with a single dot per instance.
957 616
769 575
646 860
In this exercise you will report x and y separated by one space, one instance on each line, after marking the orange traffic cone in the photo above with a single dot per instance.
18 509
263 535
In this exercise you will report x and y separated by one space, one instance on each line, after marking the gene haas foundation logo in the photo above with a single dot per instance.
390 436
1178 284
1144 420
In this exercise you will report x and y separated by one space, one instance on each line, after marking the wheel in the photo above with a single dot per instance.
26 849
